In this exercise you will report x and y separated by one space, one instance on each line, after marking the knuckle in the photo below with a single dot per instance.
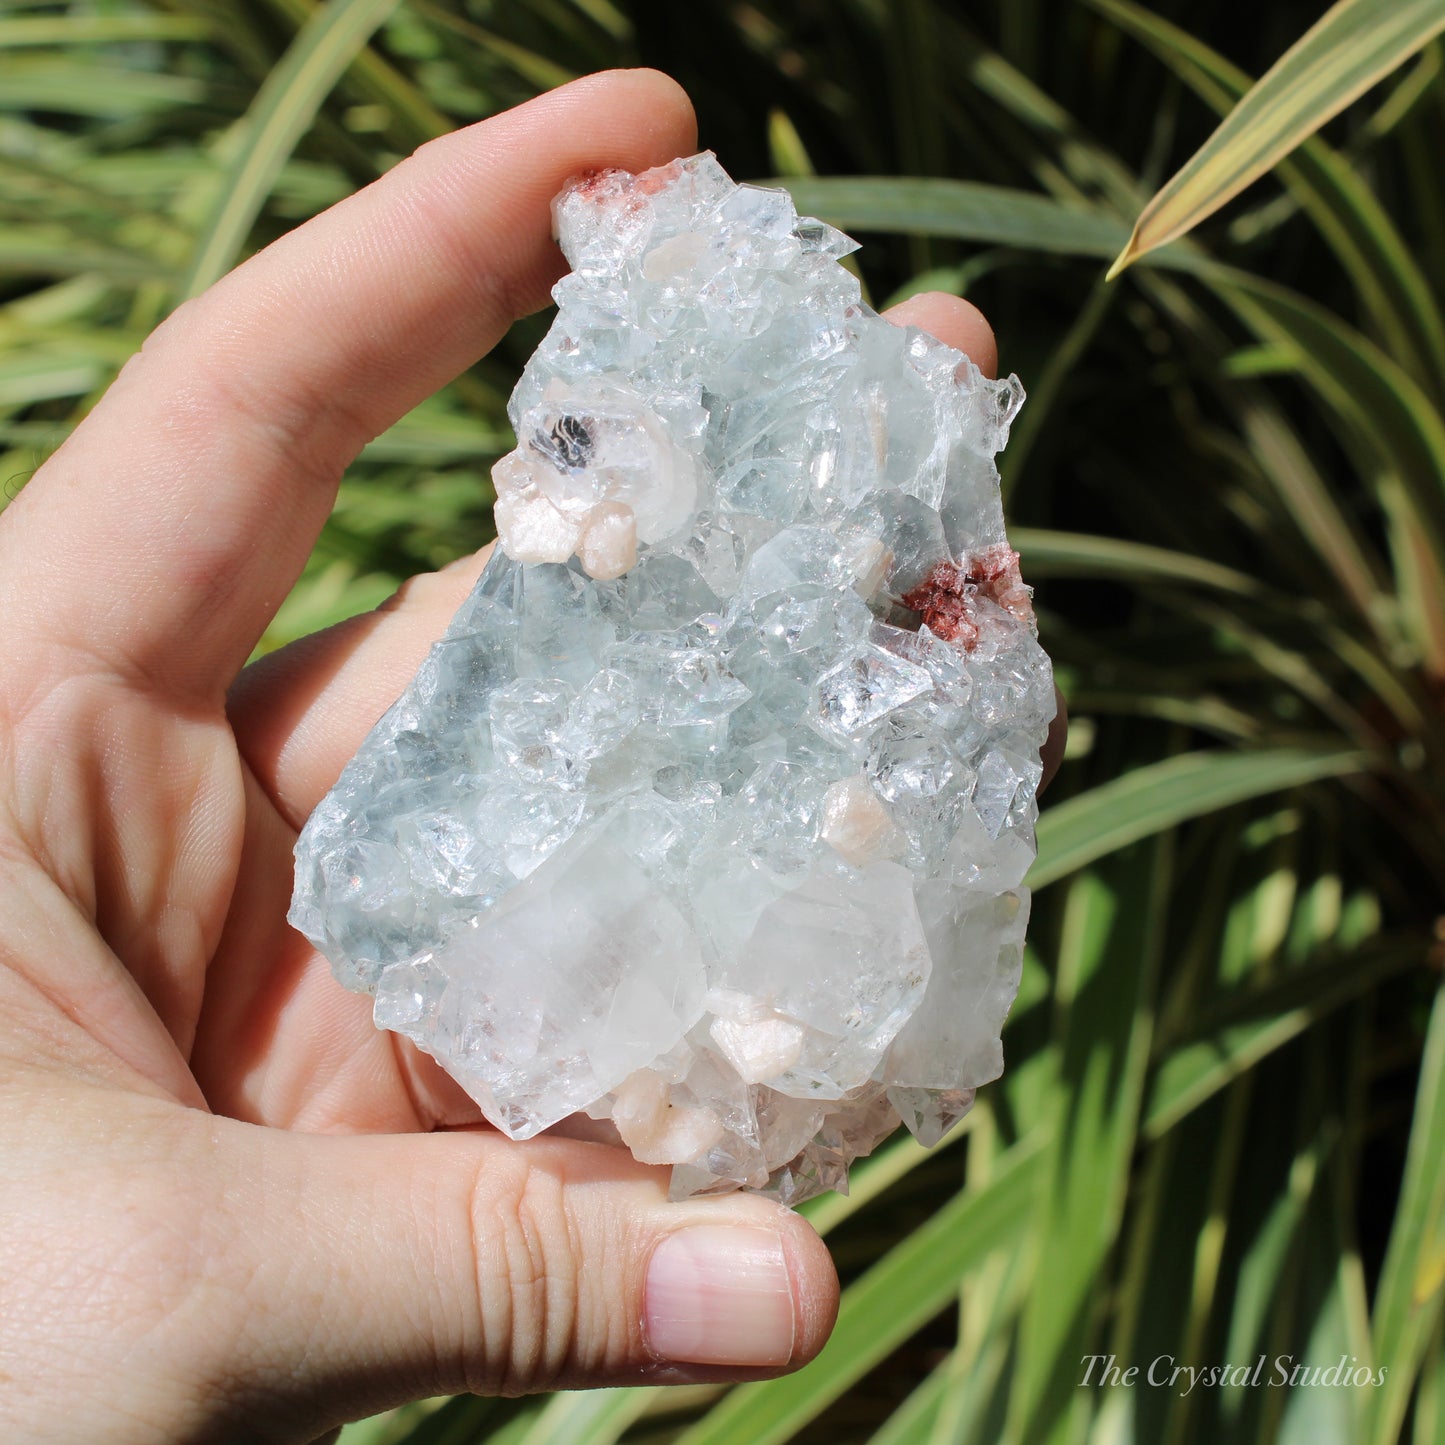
436 596
420 593
528 1270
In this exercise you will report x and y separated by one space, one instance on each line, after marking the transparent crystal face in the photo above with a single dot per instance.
710 813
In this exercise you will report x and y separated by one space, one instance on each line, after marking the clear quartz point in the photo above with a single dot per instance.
709 815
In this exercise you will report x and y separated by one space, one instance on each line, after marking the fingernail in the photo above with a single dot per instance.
720 1294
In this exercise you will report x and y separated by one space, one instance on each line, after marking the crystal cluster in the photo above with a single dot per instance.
709 814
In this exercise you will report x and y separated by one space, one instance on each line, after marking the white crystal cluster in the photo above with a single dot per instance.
710 812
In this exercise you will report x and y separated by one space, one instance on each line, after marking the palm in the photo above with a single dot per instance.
278 1041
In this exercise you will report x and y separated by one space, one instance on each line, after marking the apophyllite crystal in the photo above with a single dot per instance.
710 812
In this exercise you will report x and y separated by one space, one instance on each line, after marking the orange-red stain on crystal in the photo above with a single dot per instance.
589 182
947 597
599 184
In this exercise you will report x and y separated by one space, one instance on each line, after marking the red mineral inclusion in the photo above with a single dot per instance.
947 596
592 182
600 184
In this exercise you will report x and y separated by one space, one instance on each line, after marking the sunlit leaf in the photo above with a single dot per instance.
1349 216
1147 800
1354 45
1411 1292
901 1292
284 107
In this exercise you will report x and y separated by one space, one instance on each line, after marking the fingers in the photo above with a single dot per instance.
387 1268
303 712
952 319
160 539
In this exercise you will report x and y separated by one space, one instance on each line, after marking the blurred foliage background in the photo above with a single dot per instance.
1221 1136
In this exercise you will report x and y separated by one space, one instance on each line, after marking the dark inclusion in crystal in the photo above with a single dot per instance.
568 443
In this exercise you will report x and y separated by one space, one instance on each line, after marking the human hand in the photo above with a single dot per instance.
230 1205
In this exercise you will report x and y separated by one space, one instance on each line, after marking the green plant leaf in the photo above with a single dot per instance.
1107 958
1411 1293
284 108
538 70
905 1289
1430 1403
1150 799
1232 1038
43 250
1048 553
1354 45
464 1420
66 84
34 378
407 104
597 1416
1348 215
915 1418
1376 406
82 29
967 211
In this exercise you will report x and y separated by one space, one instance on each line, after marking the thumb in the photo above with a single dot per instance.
387 1268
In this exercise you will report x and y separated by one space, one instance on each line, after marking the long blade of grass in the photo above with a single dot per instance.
103 91
1262 1263
1430 1402
1316 510
597 1416
914 1420
78 207
1233 1039
1062 366
1209 1246
976 1397
905 1289
42 250
1150 799
536 69
1379 249
1354 45
81 29
966 211
464 1420
1378 405
416 118
1297 667
1107 960
1347 213
283 110
1412 1282
32 378
1079 554
1341 538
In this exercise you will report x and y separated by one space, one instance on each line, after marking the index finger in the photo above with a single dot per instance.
161 537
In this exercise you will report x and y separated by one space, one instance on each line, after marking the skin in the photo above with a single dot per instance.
230 1206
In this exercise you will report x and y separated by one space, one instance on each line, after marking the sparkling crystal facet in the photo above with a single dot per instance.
710 813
